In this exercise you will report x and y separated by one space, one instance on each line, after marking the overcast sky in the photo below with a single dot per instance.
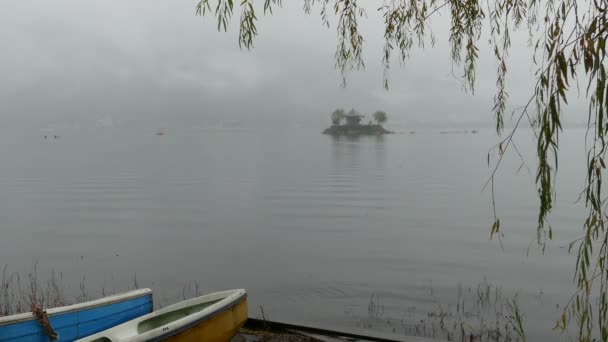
155 61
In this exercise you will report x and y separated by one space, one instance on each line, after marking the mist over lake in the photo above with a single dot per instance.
314 227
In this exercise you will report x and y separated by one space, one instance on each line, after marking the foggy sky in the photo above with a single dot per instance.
155 62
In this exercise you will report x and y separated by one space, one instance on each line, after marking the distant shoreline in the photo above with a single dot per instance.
356 130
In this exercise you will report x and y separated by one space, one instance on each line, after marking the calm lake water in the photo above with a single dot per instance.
340 233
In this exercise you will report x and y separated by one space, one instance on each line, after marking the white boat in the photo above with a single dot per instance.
214 317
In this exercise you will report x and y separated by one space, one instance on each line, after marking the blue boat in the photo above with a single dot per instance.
79 320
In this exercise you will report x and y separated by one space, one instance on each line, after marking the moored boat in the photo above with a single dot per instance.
214 317
68 323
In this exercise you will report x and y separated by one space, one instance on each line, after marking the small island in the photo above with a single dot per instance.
352 124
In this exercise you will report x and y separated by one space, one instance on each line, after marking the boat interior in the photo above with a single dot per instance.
171 316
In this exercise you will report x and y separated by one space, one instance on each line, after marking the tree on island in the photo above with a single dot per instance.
380 117
337 116
567 39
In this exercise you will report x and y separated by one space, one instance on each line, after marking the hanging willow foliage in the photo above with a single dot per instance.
569 42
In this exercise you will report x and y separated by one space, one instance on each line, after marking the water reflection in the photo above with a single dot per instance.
380 154
349 153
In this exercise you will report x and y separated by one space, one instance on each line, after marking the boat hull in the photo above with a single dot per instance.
80 320
220 328
214 317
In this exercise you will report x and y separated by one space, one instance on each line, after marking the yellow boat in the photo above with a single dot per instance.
214 317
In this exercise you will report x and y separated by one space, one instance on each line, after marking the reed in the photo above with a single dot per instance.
17 298
19 293
478 314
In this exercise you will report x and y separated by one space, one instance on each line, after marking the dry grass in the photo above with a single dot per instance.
480 314
19 293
